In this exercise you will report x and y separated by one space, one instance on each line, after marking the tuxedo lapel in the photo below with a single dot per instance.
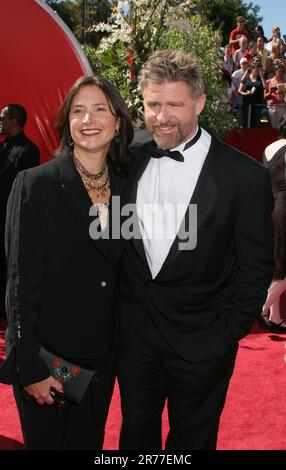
138 167
140 164
117 187
204 197
206 191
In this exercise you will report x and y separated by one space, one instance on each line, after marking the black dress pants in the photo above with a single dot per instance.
73 426
150 372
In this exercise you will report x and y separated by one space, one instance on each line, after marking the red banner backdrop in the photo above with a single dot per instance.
40 60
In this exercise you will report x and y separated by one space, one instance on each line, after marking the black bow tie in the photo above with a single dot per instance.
157 152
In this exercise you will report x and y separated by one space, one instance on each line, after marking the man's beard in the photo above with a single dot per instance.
169 141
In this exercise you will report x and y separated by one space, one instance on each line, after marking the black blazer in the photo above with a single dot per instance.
206 298
16 154
62 284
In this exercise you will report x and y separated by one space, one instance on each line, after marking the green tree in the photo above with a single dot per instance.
222 14
201 40
68 11
71 13
151 25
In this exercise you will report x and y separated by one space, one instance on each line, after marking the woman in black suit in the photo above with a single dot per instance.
63 269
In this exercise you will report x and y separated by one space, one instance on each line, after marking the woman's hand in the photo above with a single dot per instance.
41 391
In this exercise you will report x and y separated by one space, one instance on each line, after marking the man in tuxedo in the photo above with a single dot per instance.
17 153
196 278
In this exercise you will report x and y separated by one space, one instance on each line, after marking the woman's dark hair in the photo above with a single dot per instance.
118 152
260 29
282 127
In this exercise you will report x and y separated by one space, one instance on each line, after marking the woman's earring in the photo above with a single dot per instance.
117 136
70 143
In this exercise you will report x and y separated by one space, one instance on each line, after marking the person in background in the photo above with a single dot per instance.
262 54
196 272
259 33
17 153
237 33
236 78
275 93
275 57
274 159
63 270
228 64
252 91
251 53
239 53
275 38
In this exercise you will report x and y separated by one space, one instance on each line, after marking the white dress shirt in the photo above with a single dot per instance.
164 193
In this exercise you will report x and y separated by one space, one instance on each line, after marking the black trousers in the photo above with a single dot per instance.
80 427
149 372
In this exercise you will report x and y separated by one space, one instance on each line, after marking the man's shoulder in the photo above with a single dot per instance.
141 137
29 144
236 73
138 145
234 32
237 160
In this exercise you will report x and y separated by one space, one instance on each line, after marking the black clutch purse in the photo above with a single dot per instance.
74 378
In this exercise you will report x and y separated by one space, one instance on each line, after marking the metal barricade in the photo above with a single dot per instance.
256 115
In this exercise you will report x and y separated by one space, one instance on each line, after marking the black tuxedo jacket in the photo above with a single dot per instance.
208 297
62 284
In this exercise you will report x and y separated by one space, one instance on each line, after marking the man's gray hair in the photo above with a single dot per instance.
172 66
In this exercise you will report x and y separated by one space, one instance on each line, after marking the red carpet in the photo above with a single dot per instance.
252 141
254 415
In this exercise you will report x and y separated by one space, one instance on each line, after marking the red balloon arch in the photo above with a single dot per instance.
40 60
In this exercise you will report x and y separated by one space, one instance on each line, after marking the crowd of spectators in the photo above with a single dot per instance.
254 69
